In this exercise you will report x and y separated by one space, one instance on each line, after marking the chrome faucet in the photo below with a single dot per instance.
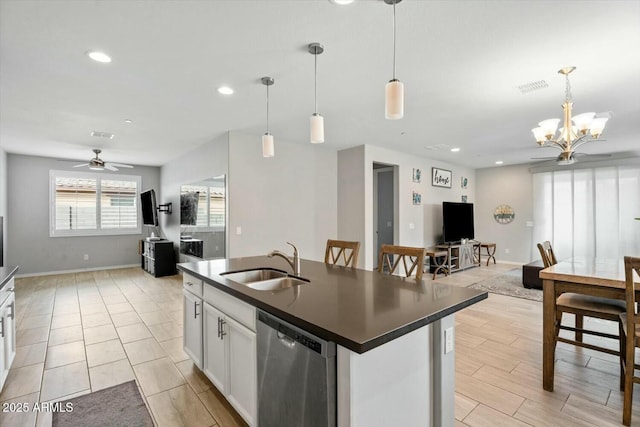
294 262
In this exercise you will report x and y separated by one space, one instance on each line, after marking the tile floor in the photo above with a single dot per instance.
82 332
79 333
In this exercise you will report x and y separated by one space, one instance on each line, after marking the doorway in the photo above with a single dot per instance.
384 206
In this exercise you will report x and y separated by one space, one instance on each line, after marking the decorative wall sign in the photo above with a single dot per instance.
417 198
464 198
440 177
417 175
504 214
464 182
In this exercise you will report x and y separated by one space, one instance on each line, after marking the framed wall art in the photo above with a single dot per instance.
440 177
417 175
464 182
417 198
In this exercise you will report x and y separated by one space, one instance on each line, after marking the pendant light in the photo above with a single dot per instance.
394 90
316 120
267 138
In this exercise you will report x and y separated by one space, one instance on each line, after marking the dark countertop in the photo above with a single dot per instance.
6 273
358 309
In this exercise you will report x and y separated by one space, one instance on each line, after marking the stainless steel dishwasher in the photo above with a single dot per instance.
296 376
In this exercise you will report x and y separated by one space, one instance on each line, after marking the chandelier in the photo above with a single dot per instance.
577 130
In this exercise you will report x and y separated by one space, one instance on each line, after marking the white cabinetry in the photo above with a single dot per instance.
230 350
7 330
192 318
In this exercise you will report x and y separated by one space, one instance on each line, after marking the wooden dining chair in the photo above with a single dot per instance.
580 306
412 260
630 335
338 251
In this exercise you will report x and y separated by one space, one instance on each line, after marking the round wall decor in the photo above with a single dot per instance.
504 214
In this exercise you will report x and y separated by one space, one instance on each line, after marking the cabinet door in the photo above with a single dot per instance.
214 347
10 330
241 364
192 337
4 365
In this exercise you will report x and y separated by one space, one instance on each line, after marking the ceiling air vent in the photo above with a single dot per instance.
532 86
105 135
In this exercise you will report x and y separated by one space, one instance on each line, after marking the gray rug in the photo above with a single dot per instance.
509 283
117 406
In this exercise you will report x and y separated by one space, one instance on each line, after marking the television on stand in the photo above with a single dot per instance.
149 208
457 222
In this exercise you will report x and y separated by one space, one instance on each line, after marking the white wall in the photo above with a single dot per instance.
417 225
289 197
513 186
3 199
28 243
206 161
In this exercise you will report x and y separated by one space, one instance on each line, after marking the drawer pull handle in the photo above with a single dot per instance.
219 326
222 332
2 328
195 309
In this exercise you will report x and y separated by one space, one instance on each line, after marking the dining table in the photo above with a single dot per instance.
589 276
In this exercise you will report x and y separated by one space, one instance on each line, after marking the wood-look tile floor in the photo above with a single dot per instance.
82 332
79 333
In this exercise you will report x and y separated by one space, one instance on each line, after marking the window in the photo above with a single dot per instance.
88 204
210 206
588 212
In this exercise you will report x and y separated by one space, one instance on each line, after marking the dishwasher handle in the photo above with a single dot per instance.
285 340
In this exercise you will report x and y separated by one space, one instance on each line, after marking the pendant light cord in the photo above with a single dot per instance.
394 39
315 84
267 108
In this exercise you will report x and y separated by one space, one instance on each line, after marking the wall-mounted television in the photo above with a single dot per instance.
457 221
149 207
189 208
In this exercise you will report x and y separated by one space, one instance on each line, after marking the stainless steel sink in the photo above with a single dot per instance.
249 276
264 279
276 284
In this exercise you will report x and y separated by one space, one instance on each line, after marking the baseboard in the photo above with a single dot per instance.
80 270
511 262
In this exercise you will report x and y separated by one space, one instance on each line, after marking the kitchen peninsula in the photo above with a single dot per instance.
394 336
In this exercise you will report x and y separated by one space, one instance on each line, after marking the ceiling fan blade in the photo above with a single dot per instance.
110 167
120 165
79 166
544 158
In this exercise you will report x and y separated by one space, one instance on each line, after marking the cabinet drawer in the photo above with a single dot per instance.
192 284
231 306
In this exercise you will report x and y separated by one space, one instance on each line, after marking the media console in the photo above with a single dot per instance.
460 256
158 257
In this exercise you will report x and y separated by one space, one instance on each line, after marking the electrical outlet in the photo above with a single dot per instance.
448 340
238 231
86 257
411 226
506 251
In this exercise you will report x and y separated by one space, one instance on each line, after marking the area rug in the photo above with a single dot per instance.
509 283
117 406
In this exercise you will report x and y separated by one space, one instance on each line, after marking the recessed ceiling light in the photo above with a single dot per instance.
455 150
99 56
129 121
225 90
341 2
499 162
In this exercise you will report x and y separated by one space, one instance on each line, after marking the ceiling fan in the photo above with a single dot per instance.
97 164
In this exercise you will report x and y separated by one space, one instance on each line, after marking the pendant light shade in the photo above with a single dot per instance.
268 147
394 100
394 90
316 122
317 128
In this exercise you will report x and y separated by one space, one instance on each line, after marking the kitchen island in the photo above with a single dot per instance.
394 335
